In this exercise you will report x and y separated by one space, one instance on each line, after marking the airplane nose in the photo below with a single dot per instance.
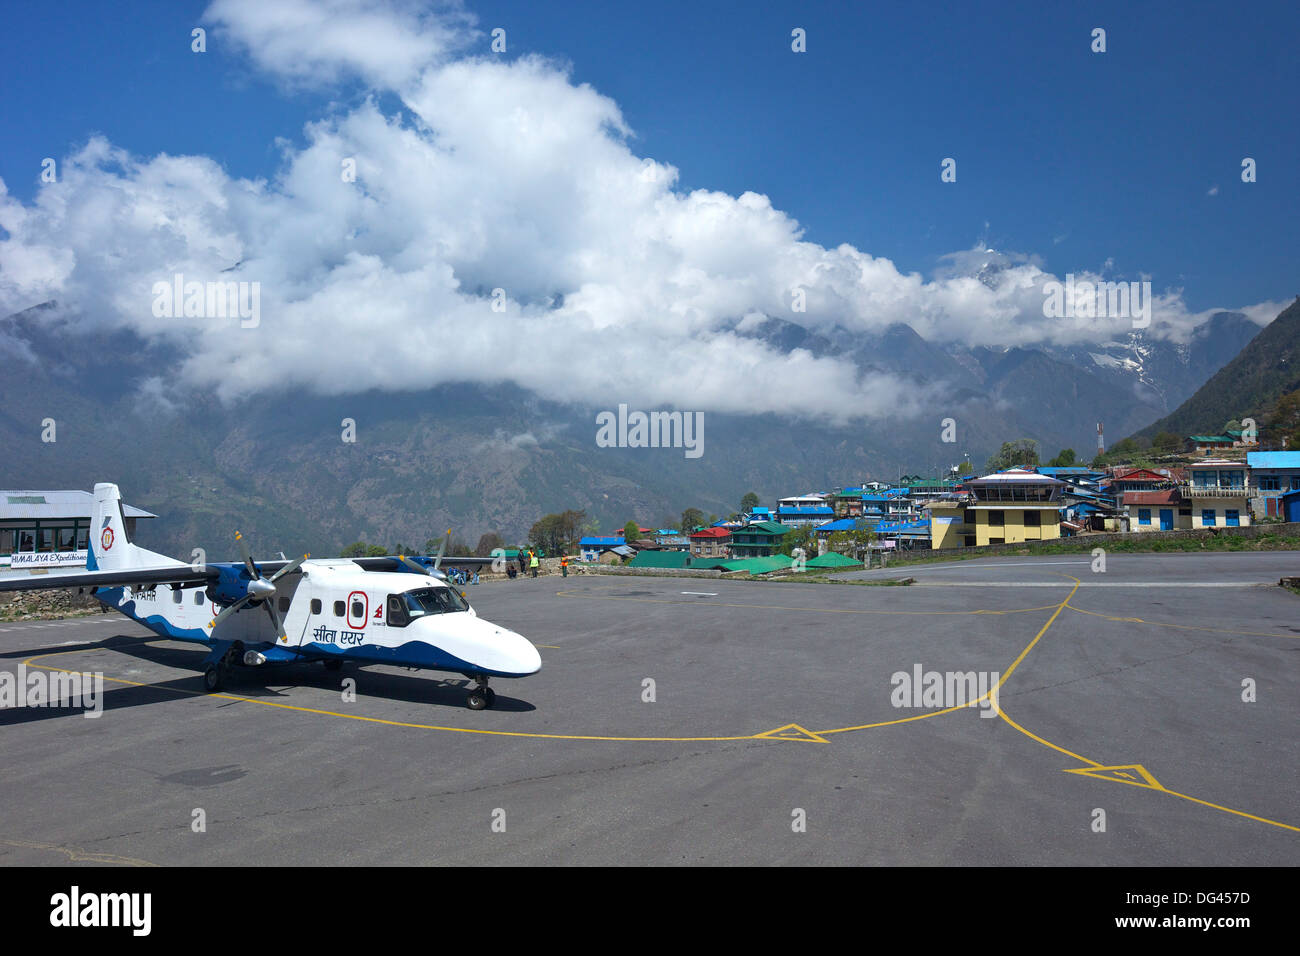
527 658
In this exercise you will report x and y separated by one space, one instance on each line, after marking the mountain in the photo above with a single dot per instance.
1267 368
1160 372
477 458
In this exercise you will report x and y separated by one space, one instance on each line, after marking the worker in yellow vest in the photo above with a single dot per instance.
532 562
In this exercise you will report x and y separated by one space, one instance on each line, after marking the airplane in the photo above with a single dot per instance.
387 610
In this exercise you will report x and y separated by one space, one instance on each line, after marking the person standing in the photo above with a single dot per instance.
532 562
564 566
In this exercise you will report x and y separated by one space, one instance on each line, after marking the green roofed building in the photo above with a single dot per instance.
833 559
661 559
758 540
777 562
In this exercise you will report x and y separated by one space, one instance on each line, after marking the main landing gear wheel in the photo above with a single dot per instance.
214 678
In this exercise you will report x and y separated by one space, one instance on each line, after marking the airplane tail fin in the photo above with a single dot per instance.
110 547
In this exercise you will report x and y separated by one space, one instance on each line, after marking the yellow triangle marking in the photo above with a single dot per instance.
1118 775
793 732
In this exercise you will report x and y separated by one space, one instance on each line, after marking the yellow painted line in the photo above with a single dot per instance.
1095 765
1046 743
887 723
78 855
1248 816
1183 627
30 662
796 732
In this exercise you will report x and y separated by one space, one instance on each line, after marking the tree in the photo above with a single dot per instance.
1022 453
799 538
692 518
1284 422
557 533
631 531
965 467
853 542
1167 442
749 502
376 551
487 544
459 547
1125 448
432 545
356 549
1064 460
402 549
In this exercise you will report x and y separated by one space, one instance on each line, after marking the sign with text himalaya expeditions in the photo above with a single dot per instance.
48 559
651 430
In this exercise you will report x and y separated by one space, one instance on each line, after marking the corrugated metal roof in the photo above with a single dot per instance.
776 562
661 559
770 527
39 505
833 559
1273 459
714 532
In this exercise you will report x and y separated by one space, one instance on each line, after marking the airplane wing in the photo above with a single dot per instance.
391 563
182 575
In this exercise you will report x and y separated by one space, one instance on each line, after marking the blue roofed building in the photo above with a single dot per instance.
804 516
594 546
1272 475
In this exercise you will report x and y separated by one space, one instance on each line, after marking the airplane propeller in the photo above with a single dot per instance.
437 561
260 588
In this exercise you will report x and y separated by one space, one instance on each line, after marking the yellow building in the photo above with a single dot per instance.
1004 508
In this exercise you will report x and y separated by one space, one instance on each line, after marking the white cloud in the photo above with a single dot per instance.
619 287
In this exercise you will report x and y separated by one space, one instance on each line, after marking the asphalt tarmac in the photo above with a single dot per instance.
682 721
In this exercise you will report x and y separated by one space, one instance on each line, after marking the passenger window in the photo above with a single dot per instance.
178 596
338 608
198 598
284 605
315 605
358 609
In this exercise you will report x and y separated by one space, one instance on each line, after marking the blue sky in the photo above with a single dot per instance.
1074 156
602 174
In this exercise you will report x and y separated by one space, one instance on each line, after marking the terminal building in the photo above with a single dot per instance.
51 526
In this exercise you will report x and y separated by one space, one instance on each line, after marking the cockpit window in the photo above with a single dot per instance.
426 601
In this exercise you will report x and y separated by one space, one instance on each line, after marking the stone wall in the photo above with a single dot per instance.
44 605
1101 540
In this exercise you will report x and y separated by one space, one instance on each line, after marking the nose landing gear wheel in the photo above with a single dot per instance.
481 696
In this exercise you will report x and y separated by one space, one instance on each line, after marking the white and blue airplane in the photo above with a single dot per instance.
389 610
